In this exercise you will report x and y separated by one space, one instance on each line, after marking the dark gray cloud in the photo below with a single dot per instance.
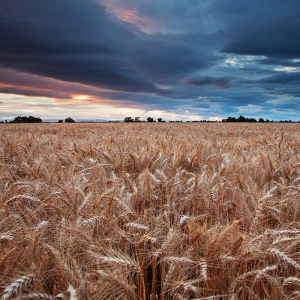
258 71
272 40
166 58
201 105
77 41
279 61
269 28
278 84
282 79
218 82
69 40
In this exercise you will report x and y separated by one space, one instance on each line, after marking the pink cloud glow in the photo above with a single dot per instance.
130 15
13 82
28 94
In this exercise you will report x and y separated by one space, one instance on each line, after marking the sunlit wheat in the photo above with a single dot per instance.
150 211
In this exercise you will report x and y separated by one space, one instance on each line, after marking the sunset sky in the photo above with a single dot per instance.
174 59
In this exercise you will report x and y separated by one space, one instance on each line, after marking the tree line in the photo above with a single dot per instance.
29 119
229 119
32 119
137 119
244 119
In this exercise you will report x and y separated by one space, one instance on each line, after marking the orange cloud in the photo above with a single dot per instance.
13 82
60 92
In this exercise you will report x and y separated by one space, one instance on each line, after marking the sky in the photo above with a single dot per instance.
175 59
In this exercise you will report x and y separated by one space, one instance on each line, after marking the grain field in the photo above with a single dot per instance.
150 211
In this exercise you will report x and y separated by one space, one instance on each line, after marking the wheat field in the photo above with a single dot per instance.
150 211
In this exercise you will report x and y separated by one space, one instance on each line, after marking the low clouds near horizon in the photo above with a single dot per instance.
178 59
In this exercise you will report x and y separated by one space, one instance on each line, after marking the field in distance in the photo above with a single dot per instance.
150 211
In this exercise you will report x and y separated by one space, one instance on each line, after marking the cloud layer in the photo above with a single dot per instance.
182 58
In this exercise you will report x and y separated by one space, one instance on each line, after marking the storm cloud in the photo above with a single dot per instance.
154 55
70 40
218 82
269 28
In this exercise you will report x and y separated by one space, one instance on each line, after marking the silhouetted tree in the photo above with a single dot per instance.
60 121
29 119
69 120
231 119
250 120
128 119
261 120
241 119
149 119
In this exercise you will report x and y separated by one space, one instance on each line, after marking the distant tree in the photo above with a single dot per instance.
137 119
32 119
268 120
241 119
128 119
149 119
17 120
231 119
69 120
261 120
250 120
159 120
60 121
29 119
